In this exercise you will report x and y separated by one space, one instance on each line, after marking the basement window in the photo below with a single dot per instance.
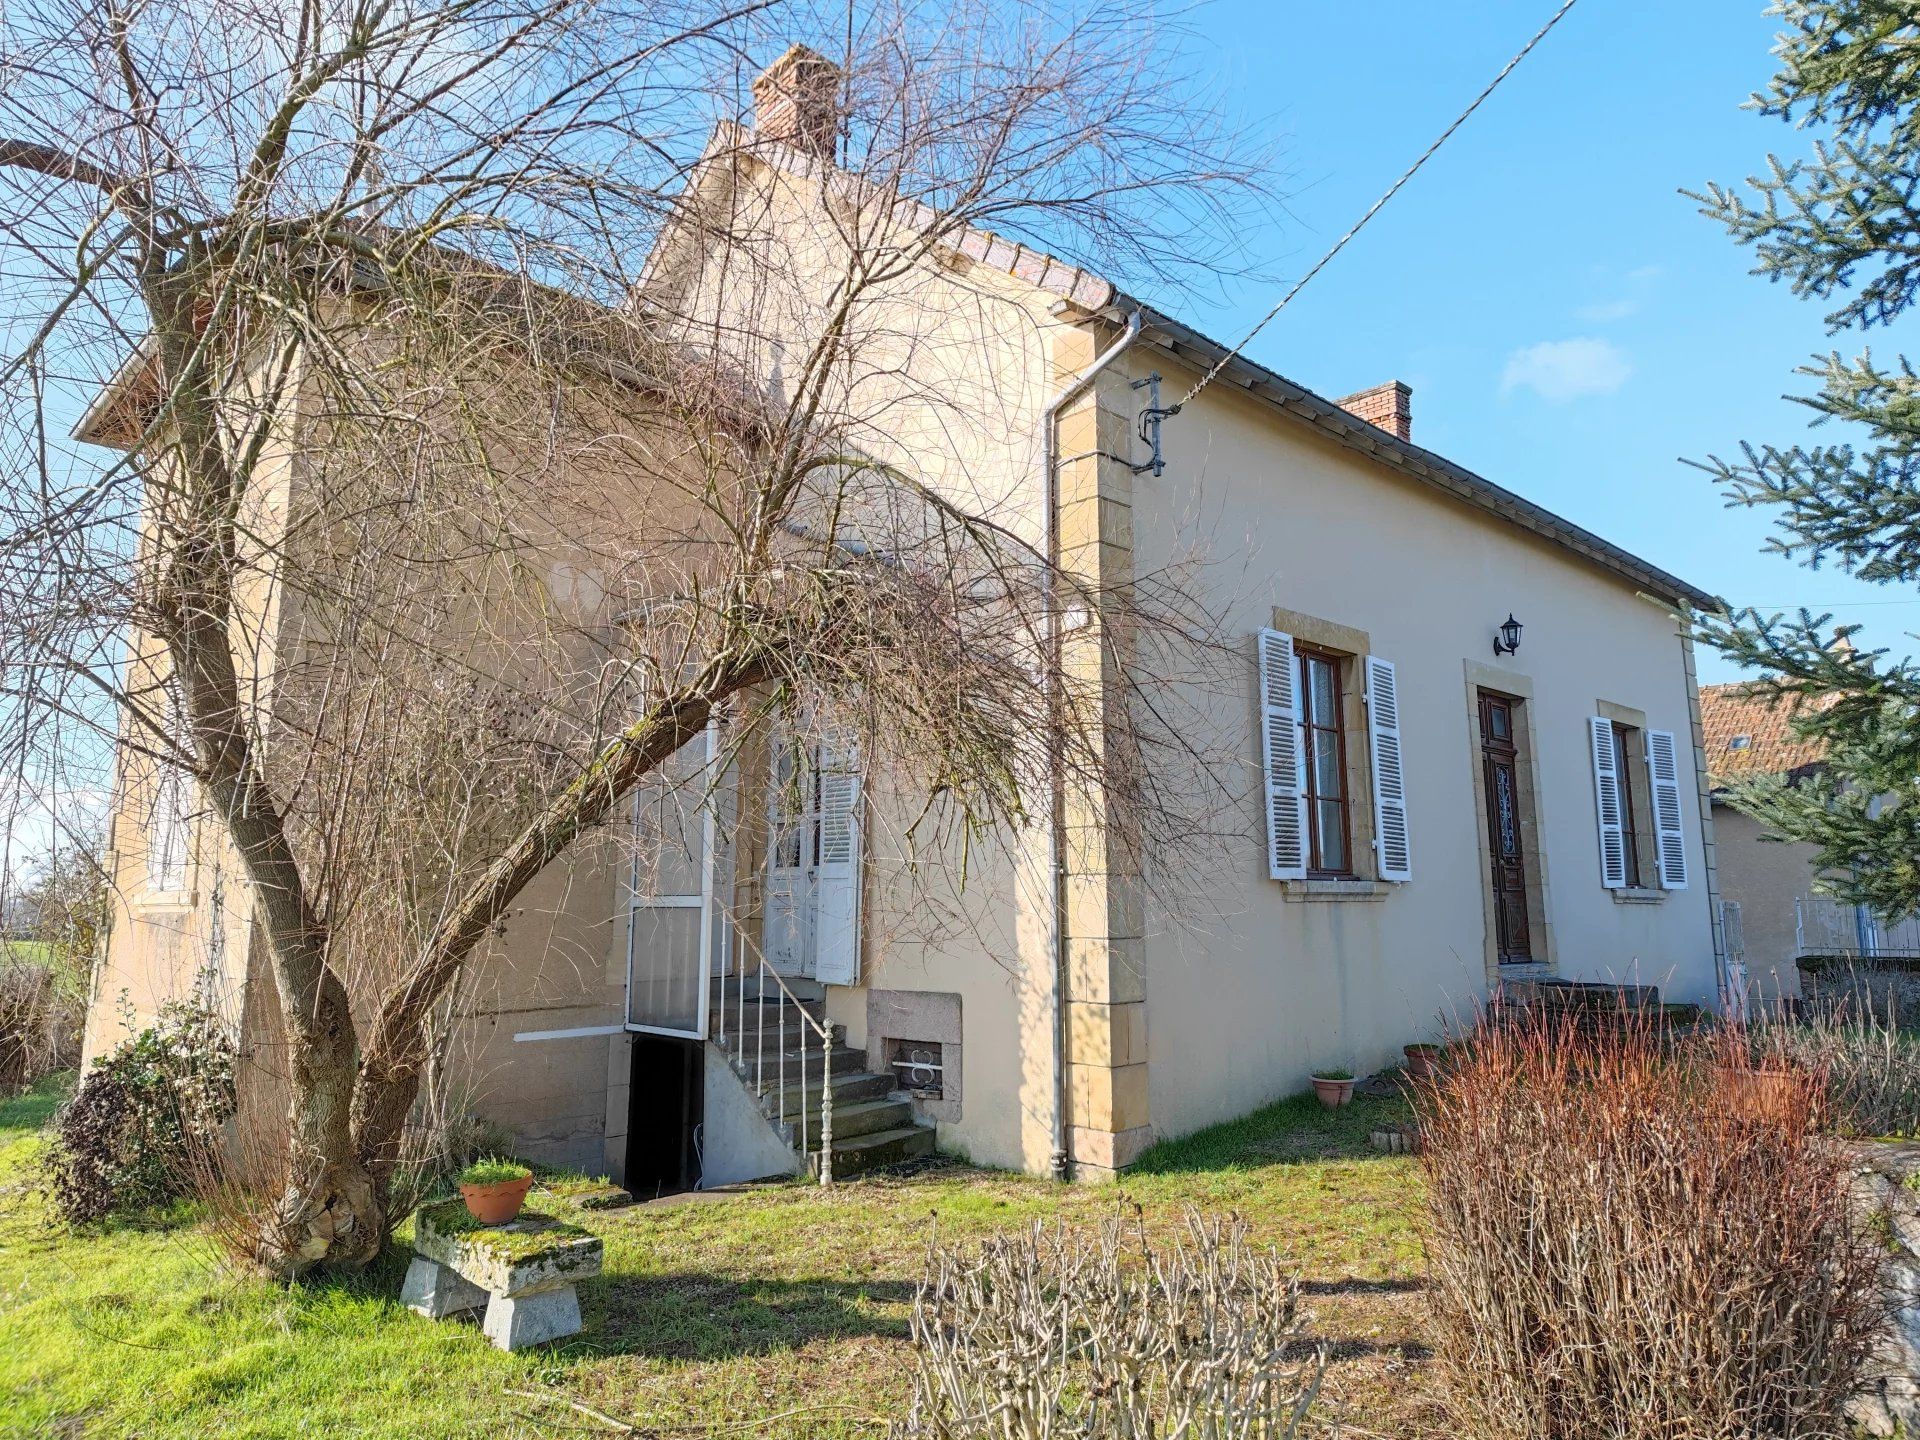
918 1067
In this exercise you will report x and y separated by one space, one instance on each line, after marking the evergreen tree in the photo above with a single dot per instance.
1841 228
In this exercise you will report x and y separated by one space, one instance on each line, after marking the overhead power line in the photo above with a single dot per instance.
1373 210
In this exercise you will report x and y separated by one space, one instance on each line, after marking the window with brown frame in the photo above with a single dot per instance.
1323 747
1624 745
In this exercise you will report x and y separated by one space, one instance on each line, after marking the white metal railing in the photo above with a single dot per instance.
1823 926
749 1050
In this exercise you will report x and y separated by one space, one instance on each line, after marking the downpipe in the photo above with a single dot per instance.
1062 1161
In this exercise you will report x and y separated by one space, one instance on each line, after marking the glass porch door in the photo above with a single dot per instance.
677 933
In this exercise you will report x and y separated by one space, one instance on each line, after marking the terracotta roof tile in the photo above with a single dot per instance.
1750 732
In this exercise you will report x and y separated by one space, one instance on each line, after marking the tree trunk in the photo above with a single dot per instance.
330 1210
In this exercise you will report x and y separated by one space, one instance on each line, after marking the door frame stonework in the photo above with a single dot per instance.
1504 681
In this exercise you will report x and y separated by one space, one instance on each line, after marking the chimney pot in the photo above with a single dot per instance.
796 102
1388 407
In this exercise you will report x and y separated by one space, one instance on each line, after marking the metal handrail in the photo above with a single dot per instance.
757 1066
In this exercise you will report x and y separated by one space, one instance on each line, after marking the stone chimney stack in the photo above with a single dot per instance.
796 101
1388 407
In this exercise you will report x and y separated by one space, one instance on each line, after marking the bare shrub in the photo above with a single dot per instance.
53 908
40 1020
1872 1065
1049 1333
1631 1239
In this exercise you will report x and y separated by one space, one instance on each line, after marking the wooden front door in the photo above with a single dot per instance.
1499 758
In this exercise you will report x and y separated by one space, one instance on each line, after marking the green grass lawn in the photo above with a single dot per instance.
26 952
713 1313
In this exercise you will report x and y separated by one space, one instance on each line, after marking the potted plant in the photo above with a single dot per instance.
1334 1087
1423 1060
495 1189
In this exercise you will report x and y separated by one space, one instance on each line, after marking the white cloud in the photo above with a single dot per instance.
1561 370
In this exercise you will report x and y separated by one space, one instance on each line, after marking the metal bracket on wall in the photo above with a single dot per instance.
1150 419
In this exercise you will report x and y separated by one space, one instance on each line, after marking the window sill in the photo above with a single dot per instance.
1306 891
161 902
1638 896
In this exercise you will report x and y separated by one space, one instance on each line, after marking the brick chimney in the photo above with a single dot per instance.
1388 407
796 100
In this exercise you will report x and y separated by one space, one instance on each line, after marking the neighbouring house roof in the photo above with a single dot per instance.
1748 731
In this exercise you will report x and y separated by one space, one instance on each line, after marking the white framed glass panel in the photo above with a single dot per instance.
673 915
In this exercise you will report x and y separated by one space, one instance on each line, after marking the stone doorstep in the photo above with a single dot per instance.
525 1257
600 1197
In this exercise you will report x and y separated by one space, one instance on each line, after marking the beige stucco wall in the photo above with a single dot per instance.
1764 878
560 961
162 945
1248 991
976 928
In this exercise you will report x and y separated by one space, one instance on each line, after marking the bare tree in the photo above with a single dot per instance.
483 433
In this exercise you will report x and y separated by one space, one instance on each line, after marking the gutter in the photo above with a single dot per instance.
1062 1159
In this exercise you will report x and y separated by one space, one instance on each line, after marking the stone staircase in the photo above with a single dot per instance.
761 1034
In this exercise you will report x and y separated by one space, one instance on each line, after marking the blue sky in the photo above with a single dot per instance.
1569 323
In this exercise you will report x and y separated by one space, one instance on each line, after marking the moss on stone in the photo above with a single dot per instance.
530 1235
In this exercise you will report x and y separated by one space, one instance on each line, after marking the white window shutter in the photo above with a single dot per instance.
783 928
1281 761
167 836
1392 847
1607 781
1663 763
837 906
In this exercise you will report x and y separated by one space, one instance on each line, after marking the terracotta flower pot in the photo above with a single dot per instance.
1333 1093
498 1203
1781 1093
1423 1061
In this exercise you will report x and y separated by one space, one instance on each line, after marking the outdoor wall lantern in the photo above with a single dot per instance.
1506 640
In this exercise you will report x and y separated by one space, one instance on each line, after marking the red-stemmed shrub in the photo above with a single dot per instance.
1638 1238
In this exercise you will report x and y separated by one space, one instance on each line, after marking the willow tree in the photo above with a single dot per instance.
440 516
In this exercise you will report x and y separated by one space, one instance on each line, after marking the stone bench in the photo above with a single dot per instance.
522 1272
